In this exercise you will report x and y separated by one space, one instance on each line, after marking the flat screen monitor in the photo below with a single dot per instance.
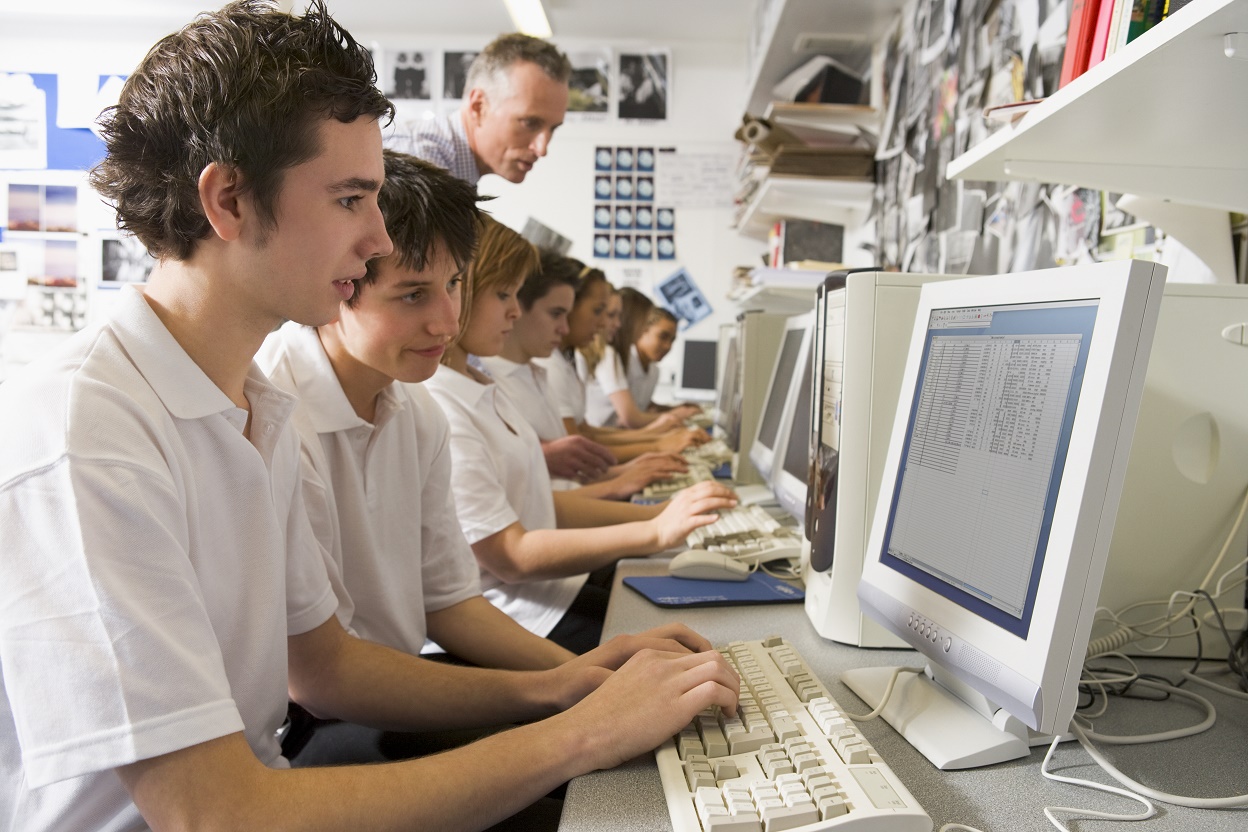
792 473
697 371
997 507
772 430
728 400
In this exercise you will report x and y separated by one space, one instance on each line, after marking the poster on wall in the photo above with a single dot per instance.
409 74
680 294
23 123
625 217
589 87
644 86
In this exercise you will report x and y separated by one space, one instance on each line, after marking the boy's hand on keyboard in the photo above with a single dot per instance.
577 678
666 422
577 458
662 464
690 509
649 699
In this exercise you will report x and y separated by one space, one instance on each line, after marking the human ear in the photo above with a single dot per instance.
220 198
478 105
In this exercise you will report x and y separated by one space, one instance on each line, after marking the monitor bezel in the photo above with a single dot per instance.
763 457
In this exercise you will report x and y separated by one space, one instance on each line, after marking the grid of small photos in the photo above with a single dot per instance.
629 222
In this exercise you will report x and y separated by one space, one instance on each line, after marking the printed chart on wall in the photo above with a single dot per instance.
631 221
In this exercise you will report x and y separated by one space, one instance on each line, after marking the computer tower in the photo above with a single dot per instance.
863 335
758 341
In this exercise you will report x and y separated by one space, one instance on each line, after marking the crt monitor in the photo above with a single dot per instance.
791 472
697 371
772 429
1001 485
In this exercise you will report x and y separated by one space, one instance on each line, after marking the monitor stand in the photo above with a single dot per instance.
944 727
755 495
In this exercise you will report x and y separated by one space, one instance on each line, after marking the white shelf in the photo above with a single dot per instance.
1166 116
840 201
850 24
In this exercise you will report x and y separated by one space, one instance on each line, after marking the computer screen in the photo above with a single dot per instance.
728 399
1003 477
792 472
697 368
772 429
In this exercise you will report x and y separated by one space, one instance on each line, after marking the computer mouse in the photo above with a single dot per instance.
701 565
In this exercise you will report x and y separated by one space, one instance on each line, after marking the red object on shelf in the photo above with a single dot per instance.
1079 37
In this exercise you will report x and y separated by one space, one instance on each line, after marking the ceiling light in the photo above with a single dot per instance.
529 17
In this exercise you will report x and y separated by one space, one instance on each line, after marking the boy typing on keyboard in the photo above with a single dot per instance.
163 590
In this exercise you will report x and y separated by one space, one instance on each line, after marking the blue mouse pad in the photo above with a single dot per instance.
759 588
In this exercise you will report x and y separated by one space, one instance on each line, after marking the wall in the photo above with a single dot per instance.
707 88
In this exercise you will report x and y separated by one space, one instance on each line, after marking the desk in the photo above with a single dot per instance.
1008 797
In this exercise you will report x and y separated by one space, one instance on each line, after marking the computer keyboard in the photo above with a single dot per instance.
750 534
789 760
713 453
697 472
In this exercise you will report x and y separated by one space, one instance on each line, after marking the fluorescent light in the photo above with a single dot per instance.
529 17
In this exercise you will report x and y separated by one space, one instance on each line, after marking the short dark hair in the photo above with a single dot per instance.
424 206
243 87
556 270
489 68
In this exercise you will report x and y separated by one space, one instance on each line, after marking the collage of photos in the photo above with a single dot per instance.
629 86
628 224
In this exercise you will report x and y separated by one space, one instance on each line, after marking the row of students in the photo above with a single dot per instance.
164 588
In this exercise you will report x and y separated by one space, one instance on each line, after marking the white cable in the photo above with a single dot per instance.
1222 689
1211 716
1239 801
888 692
1149 808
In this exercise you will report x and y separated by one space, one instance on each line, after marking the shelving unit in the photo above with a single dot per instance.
840 28
841 201
1163 117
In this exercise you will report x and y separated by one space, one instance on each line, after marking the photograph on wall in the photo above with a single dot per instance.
589 87
60 264
603 187
409 74
602 216
624 217
624 160
543 236
604 159
644 217
645 160
644 85
123 259
455 73
665 219
602 245
624 187
645 188
623 247
25 207
680 294
643 247
60 208
665 246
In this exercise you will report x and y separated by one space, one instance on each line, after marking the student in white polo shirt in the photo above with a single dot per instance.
162 590
586 319
545 298
620 385
535 546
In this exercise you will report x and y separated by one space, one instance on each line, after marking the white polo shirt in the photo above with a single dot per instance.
608 377
155 561
499 478
378 495
566 384
642 381
528 388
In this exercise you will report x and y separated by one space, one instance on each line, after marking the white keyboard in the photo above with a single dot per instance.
714 453
750 534
663 489
788 761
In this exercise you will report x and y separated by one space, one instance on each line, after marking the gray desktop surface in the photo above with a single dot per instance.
1009 797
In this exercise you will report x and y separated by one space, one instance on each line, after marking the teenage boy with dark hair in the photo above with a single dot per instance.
162 589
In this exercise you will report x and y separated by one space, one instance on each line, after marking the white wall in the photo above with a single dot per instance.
707 92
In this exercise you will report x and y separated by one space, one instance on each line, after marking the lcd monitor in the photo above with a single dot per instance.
1001 485
791 472
697 371
772 429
